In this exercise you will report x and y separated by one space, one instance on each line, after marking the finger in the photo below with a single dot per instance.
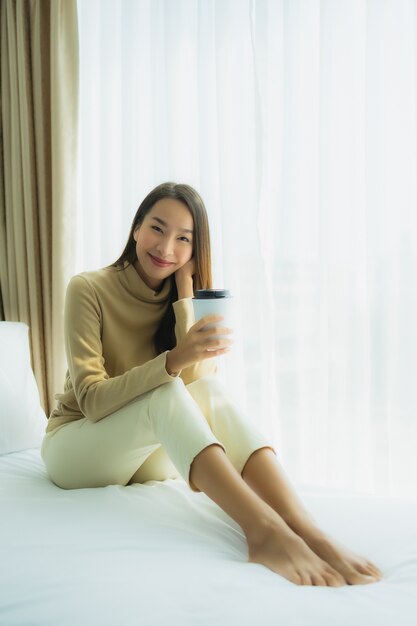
216 330
217 344
207 319
210 354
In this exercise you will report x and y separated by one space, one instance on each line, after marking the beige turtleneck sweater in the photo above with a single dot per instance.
110 319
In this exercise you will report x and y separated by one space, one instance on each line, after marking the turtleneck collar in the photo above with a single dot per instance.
135 285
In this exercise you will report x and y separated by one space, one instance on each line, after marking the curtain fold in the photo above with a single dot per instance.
39 114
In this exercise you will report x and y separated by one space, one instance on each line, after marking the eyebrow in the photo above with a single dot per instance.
183 230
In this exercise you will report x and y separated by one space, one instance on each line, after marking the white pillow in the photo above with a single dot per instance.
22 419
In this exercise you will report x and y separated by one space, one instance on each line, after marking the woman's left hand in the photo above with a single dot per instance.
184 279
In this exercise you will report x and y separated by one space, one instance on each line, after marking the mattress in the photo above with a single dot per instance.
160 554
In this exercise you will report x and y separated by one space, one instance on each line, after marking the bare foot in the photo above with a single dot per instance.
355 569
285 553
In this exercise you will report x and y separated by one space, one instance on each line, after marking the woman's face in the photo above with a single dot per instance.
164 241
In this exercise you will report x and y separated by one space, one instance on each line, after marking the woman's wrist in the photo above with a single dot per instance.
170 366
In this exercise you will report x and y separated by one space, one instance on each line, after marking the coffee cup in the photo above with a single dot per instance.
213 302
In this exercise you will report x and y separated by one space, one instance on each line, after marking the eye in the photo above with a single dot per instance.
185 239
157 228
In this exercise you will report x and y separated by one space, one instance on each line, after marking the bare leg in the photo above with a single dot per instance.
265 476
270 541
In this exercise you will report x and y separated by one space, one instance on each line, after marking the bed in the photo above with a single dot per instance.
160 554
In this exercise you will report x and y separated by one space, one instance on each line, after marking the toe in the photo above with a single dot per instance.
356 578
295 578
318 580
368 569
305 578
334 578
363 568
338 581
374 569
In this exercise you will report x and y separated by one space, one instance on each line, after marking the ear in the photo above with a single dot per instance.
135 233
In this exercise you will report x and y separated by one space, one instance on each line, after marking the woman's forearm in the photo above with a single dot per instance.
185 288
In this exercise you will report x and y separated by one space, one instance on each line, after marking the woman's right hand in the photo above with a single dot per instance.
199 344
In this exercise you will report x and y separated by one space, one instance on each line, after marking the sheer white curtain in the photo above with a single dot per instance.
296 121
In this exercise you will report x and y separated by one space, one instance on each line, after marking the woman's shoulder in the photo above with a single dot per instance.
95 282
99 276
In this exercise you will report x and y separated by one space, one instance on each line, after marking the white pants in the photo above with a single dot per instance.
155 437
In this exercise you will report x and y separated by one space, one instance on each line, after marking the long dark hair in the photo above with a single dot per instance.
165 335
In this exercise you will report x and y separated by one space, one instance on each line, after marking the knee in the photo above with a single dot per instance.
164 394
207 387
176 386
210 395
210 383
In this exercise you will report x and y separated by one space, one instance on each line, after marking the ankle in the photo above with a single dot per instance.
300 522
264 528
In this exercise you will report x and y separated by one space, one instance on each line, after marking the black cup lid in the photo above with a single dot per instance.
210 294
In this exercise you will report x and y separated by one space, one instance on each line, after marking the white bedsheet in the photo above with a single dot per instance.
160 554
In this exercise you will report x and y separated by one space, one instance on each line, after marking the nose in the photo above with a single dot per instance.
165 247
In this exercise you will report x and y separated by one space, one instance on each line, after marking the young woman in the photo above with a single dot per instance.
141 400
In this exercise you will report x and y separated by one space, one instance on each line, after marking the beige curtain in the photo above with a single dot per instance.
38 146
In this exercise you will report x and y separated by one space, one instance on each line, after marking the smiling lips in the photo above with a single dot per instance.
159 262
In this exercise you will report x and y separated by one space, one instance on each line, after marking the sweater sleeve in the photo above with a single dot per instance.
184 317
97 394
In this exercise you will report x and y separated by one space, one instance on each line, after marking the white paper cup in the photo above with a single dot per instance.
213 302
